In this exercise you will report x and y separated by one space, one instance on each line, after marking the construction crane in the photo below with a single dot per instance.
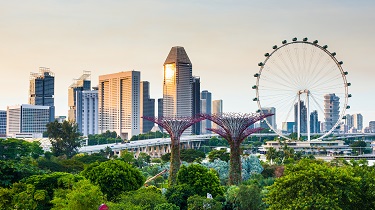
154 177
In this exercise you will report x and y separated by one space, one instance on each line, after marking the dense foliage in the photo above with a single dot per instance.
64 138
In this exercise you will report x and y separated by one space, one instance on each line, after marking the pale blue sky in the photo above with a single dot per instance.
224 40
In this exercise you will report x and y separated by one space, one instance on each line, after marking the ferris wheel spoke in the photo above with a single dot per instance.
326 81
316 102
329 74
321 70
314 70
276 82
291 79
278 76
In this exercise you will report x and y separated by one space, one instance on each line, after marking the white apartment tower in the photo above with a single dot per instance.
331 111
358 122
177 84
89 112
119 103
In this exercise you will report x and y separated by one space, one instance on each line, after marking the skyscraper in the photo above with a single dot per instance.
303 117
371 125
177 84
88 111
206 103
314 122
119 103
331 111
147 107
217 108
75 98
271 119
196 104
349 121
42 90
358 122
160 111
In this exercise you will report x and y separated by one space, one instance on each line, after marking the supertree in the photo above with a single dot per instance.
175 126
234 127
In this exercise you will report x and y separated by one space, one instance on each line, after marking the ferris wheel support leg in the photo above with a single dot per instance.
299 117
308 116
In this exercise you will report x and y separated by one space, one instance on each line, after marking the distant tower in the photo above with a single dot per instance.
358 122
371 125
314 122
42 90
303 117
147 107
196 104
349 121
160 111
217 108
119 103
331 111
75 98
3 123
270 119
206 103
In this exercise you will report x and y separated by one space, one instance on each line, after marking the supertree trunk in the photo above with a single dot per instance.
175 161
235 164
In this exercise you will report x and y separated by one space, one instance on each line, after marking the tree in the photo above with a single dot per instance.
249 197
315 185
64 138
235 127
114 177
15 149
147 198
201 180
178 195
166 206
359 146
175 126
221 154
197 202
12 171
83 195
127 157
143 160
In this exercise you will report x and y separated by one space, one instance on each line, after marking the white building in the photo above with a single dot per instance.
331 111
358 122
119 103
89 112
27 121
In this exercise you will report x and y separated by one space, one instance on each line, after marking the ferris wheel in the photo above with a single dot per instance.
306 86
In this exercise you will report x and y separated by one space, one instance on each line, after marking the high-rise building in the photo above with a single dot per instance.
303 117
349 121
160 111
3 123
206 108
271 119
331 111
119 103
74 99
177 84
217 108
147 107
27 121
371 126
196 104
288 127
42 90
358 122
314 122
88 111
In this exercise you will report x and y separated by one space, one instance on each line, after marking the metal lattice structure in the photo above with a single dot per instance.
234 127
175 126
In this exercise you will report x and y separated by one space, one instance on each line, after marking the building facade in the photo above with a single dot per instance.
160 111
288 127
371 126
303 117
196 104
3 123
27 120
217 108
75 98
119 103
177 84
206 108
147 107
358 122
42 89
271 119
314 122
331 111
88 112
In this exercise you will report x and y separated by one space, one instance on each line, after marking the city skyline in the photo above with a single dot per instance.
71 37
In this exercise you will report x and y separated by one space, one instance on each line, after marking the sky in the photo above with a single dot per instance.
225 40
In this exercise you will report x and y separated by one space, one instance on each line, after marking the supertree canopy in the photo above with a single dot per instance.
175 126
234 127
